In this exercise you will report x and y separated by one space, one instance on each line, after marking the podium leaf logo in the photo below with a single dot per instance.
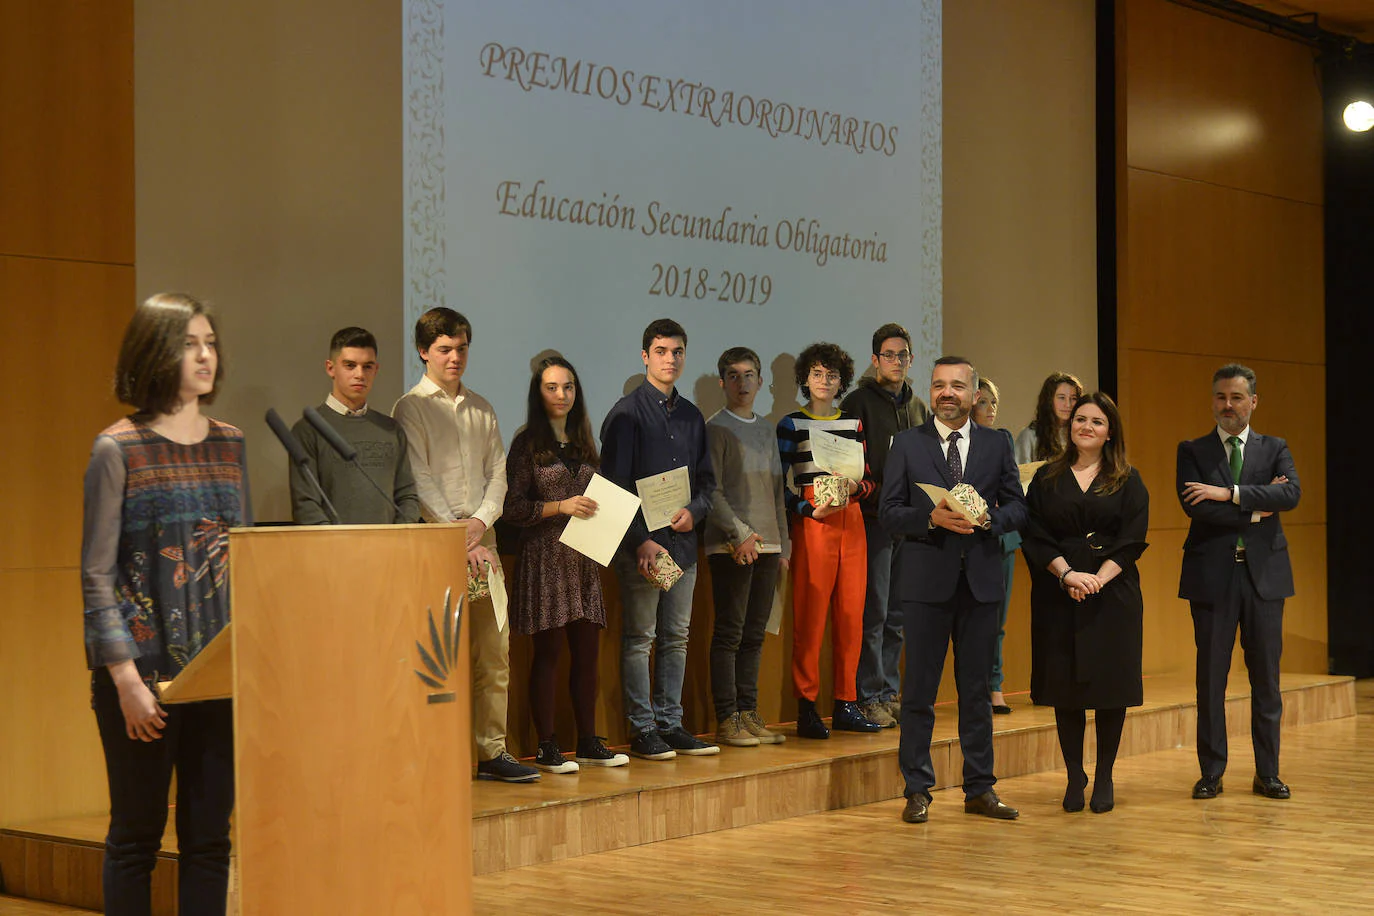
440 658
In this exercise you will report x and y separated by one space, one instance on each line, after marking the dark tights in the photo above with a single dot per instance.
584 639
1072 724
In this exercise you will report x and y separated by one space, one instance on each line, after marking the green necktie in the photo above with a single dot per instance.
1236 460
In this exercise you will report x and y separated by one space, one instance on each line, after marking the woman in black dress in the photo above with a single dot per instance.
1088 515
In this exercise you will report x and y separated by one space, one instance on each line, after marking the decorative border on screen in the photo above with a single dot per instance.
426 223
930 331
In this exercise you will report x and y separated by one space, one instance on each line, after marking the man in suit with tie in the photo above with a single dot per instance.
1233 483
950 580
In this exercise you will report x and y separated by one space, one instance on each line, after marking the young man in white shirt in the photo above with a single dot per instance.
460 475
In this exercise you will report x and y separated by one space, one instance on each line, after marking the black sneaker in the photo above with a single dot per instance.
809 723
551 760
592 752
648 745
687 744
507 769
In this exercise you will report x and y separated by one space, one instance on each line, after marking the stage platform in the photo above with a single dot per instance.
561 817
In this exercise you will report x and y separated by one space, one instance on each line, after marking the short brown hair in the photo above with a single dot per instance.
440 322
148 372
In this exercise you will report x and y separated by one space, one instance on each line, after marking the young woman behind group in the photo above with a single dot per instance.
162 490
556 590
1047 433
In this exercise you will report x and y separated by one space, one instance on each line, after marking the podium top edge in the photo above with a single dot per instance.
262 529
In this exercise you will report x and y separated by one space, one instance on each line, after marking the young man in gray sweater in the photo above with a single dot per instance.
747 547
381 446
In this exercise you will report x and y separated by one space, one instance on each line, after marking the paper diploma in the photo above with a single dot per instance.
661 495
1028 473
940 493
599 536
836 454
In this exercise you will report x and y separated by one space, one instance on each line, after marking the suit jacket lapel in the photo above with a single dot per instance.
1215 454
1253 463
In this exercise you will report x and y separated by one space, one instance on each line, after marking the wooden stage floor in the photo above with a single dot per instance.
1159 851
812 826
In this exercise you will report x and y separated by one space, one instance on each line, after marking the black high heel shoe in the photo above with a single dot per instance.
1073 794
1103 797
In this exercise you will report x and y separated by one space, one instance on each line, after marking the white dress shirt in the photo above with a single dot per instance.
1244 437
962 443
343 409
456 453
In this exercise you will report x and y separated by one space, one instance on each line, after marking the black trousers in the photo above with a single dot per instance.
929 628
198 742
1261 639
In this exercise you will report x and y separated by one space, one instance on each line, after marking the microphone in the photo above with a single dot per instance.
346 451
298 456
331 435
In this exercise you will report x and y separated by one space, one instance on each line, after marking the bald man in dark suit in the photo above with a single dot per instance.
1234 483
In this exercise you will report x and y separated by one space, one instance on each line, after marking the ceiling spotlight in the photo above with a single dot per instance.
1359 116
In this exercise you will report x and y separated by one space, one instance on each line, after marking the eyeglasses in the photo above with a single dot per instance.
820 375
888 356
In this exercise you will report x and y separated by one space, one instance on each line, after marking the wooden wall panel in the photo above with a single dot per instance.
49 748
66 284
1221 261
1204 262
1215 101
46 301
67 106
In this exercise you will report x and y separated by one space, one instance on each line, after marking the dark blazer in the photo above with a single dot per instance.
1209 551
930 560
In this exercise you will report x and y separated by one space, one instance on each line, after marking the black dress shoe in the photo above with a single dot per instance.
917 810
1270 787
1207 787
847 717
809 724
989 805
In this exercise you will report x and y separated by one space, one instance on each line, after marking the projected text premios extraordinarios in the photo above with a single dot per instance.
802 235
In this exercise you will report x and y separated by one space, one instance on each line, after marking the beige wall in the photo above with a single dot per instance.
269 181
1020 197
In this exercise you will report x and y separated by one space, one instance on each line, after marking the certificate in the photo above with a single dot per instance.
661 495
598 537
1028 473
836 454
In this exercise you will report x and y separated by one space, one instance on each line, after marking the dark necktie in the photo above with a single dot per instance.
1237 459
956 464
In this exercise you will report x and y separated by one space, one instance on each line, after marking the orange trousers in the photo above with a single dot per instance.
829 573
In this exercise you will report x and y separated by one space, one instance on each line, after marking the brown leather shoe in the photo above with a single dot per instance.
1271 787
989 805
917 810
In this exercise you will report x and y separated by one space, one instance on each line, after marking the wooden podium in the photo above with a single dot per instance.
354 793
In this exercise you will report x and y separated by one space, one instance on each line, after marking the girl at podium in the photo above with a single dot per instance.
556 590
163 488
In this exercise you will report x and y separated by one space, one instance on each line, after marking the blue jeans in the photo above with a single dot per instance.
653 619
880 676
1008 570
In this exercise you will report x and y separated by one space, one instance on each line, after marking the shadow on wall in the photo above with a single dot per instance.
784 387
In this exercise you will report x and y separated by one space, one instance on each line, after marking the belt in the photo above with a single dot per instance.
1240 554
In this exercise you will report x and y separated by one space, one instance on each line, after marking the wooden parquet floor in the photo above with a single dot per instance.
1158 852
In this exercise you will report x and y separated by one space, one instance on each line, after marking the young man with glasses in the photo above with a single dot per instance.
829 556
885 404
